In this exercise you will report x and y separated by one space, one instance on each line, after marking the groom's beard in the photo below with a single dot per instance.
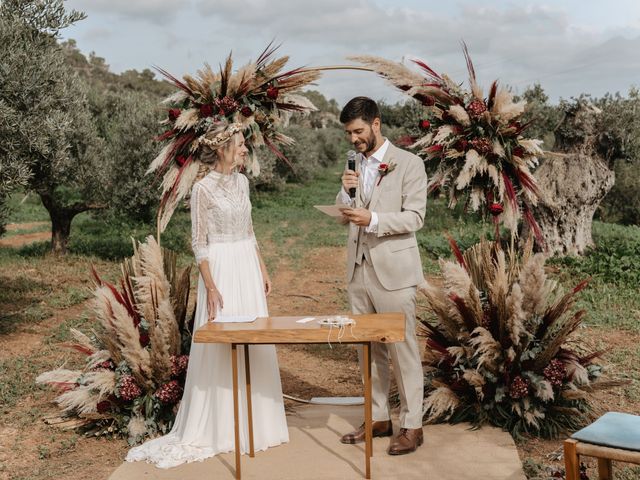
367 145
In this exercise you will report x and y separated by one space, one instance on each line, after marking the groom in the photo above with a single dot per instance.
383 263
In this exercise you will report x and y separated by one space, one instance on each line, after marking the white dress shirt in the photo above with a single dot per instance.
369 174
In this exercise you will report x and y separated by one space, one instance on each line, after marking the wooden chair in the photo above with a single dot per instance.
613 437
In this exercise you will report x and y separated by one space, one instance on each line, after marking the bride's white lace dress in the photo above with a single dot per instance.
222 233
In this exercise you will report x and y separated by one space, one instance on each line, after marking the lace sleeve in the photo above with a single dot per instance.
199 205
250 230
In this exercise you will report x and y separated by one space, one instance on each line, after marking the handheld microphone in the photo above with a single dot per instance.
351 165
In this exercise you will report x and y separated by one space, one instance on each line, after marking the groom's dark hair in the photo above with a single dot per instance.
360 107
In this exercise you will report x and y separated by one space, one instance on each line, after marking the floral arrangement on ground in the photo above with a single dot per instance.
136 357
500 350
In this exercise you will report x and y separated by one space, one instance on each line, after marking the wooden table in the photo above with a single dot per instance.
380 327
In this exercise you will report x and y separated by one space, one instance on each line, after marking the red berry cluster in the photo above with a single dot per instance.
482 145
226 105
519 388
179 364
476 108
555 372
170 392
129 389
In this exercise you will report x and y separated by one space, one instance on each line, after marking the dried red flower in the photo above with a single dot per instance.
427 101
107 365
144 336
272 93
425 124
206 110
518 152
496 209
461 145
174 113
103 406
246 111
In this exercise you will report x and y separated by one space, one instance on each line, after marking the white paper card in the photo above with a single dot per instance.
234 318
306 320
331 210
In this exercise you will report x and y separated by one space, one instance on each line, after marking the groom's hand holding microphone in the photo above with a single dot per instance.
357 216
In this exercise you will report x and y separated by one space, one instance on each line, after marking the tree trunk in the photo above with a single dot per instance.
61 218
60 231
573 181
572 187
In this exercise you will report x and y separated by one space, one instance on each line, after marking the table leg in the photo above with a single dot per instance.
234 369
247 374
367 408
571 459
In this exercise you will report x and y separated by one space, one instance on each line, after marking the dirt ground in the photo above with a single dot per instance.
30 449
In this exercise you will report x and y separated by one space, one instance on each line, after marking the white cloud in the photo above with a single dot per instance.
569 51
155 11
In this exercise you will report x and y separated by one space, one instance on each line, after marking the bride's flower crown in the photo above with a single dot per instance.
221 138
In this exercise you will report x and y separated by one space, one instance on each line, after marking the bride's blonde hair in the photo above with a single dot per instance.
208 155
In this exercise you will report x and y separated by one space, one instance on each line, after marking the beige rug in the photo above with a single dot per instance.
450 452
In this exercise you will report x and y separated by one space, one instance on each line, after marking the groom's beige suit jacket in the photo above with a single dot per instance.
399 200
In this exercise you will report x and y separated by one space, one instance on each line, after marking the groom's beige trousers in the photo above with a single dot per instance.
367 295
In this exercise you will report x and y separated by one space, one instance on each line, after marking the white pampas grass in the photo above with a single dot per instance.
81 400
460 115
119 326
59 376
178 97
300 101
442 134
531 145
187 119
488 350
440 404
160 158
396 73
136 427
505 107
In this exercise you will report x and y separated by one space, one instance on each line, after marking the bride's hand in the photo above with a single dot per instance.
214 303
267 284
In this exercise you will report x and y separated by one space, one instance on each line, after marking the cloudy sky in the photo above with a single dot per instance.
569 46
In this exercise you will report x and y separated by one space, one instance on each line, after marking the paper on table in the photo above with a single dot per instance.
234 318
306 320
331 210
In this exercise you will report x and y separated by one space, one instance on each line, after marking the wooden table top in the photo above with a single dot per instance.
378 327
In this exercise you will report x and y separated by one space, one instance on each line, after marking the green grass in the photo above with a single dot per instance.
612 298
17 377
287 220
26 208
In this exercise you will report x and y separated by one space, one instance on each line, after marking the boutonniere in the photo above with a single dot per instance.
384 169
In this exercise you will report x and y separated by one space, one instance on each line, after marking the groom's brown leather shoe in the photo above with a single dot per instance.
380 429
407 441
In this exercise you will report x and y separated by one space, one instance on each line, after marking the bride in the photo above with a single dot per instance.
233 281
